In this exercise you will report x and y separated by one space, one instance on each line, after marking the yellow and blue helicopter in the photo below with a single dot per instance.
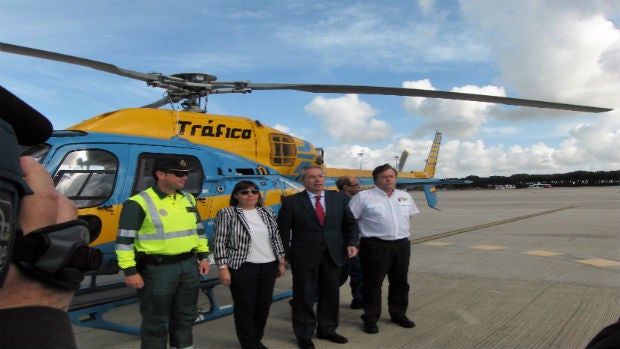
104 160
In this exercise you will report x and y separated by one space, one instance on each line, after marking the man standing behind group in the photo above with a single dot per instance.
162 225
349 186
322 234
383 214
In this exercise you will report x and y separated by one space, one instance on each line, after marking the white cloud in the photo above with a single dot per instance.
600 140
282 128
455 118
348 119
590 147
347 156
546 50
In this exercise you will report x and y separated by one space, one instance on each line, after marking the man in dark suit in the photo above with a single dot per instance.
320 233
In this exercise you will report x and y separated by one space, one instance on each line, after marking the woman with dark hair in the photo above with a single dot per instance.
250 256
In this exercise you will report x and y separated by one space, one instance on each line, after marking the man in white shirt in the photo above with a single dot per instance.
383 214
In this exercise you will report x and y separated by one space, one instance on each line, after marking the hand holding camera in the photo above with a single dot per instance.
44 208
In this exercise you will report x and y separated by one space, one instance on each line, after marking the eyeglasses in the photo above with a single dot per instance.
247 191
179 173
353 185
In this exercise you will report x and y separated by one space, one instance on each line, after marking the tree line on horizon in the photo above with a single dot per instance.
570 179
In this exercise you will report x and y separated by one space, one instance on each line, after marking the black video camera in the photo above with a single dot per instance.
58 254
12 188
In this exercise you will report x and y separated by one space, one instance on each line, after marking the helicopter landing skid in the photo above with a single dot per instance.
88 309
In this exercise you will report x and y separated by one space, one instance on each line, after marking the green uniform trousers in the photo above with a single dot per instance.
168 304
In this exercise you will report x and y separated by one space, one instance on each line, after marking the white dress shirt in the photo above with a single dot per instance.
313 196
381 216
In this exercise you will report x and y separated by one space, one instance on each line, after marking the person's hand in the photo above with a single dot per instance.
351 251
281 269
224 276
204 267
45 207
134 281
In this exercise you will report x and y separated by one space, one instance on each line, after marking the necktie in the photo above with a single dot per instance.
320 213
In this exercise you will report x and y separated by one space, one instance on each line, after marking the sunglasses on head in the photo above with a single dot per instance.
247 191
179 173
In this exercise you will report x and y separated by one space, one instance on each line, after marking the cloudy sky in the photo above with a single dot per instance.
563 51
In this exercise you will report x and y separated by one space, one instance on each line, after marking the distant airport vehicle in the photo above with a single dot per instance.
102 161
539 185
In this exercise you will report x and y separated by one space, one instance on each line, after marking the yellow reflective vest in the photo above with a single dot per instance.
171 226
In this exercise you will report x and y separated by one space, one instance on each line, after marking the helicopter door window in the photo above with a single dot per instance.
87 177
145 179
283 150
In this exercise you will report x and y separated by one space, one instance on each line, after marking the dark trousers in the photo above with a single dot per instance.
169 304
607 338
353 269
251 288
309 284
380 258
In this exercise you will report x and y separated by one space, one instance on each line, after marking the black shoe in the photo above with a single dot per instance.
260 345
333 337
305 344
356 304
370 327
403 321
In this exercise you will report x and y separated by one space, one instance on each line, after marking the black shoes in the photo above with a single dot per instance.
356 304
333 337
305 344
403 321
370 327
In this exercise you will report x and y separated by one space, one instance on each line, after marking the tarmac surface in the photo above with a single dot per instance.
525 268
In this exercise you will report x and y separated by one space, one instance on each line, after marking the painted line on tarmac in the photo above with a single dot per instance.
487 225
427 240
600 262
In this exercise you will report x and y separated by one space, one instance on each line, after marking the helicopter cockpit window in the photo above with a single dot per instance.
39 151
283 150
87 177
145 179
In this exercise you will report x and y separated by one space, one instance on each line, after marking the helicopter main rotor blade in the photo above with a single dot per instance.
413 92
183 85
59 57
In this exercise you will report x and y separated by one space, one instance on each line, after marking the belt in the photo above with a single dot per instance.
158 259
386 241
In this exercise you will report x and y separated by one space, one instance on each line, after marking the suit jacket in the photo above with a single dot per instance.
304 238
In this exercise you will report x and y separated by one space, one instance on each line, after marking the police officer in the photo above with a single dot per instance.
162 248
